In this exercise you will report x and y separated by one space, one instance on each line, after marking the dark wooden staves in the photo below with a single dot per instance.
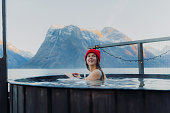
15 99
80 101
103 101
157 101
21 101
130 101
11 99
60 103
36 100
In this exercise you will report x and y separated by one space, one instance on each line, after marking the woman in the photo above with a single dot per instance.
92 60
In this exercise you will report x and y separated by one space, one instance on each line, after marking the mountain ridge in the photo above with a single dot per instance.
66 47
15 57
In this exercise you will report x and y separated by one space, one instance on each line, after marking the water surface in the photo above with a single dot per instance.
110 83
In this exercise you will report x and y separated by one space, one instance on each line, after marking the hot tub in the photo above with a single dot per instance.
119 94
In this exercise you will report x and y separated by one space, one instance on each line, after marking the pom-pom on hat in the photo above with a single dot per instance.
97 52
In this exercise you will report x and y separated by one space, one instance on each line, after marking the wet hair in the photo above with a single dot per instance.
97 66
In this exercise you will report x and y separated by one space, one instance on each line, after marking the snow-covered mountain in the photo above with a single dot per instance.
26 54
65 47
15 59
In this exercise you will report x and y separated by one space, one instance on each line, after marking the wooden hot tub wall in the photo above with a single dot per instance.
40 99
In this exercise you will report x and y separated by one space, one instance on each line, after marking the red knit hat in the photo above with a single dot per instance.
97 52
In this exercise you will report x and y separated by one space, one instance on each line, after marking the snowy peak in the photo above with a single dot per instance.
13 48
97 32
57 26
71 29
65 47
107 31
18 51
25 54
114 35
108 34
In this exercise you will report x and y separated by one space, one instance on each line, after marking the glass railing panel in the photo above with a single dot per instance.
157 57
122 59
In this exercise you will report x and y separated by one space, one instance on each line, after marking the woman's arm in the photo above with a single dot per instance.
69 74
95 75
77 75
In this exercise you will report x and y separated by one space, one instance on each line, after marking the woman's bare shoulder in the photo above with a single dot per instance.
96 71
95 75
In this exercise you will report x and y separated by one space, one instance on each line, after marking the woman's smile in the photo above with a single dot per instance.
91 59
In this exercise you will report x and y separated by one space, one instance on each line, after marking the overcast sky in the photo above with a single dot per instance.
29 20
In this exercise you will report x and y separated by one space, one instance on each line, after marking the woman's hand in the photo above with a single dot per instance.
76 75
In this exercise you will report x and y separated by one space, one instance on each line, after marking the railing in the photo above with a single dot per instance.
3 66
140 48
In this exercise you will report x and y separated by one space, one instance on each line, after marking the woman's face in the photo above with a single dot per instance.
91 59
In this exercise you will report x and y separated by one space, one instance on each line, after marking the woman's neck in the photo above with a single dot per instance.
92 68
